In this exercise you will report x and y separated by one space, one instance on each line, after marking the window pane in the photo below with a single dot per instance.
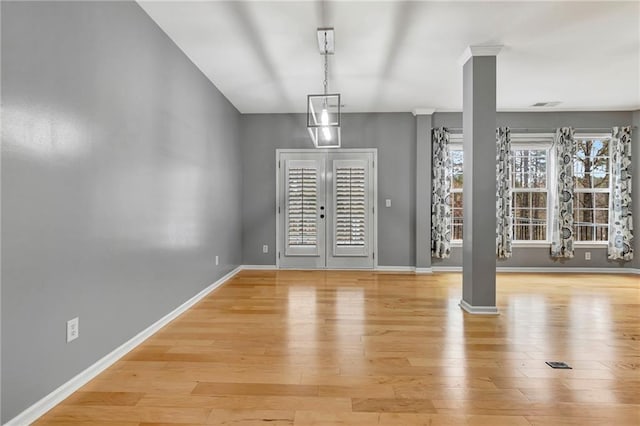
457 182
456 199
521 199
602 200
529 168
539 199
591 163
456 231
457 169
602 216
530 216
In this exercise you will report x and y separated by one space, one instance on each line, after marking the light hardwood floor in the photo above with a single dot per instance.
365 348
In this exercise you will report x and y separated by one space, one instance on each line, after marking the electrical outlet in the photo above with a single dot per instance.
587 255
217 260
265 248
73 329
387 202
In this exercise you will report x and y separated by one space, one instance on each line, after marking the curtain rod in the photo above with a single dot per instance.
548 129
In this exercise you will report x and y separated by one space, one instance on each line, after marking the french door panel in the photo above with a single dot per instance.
326 210
303 195
350 219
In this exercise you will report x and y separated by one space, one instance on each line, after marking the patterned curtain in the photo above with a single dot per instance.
440 195
562 200
504 214
620 219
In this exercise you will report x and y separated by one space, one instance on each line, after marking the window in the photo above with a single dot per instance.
529 183
457 158
591 188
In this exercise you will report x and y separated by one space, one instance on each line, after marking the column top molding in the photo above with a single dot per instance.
487 50
423 111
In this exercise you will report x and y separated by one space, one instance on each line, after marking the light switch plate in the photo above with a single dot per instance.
387 202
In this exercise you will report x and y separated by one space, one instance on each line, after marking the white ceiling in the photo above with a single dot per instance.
399 56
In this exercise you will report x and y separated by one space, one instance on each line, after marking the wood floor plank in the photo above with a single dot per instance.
254 389
252 417
392 405
404 419
366 348
104 398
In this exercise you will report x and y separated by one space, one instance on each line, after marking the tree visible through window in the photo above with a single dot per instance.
591 189
456 191
529 188
531 183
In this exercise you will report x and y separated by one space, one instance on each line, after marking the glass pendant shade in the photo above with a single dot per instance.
323 120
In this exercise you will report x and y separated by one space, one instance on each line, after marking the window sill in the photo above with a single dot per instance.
519 244
545 244
590 244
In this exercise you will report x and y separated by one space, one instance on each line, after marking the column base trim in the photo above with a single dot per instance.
478 310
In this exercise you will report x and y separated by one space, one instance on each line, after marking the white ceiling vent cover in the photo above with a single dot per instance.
546 104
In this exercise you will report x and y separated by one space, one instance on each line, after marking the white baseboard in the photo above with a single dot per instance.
38 409
478 310
566 270
502 269
257 267
395 268
446 268
546 270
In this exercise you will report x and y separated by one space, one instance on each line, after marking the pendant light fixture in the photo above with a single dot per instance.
323 110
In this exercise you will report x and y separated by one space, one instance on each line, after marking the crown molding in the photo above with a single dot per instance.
423 111
471 51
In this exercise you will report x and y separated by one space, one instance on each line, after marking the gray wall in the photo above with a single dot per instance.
121 177
394 134
539 256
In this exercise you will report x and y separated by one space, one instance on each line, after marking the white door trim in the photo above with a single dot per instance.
373 151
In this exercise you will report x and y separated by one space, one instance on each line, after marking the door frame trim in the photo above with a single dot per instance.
326 151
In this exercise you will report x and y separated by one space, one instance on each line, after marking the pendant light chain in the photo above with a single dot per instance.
326 65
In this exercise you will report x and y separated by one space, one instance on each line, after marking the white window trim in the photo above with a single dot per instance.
530 243
455 144
534 141
590 136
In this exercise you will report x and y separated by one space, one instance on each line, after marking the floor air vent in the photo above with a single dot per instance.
558 364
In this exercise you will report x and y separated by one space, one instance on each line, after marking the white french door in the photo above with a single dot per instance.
326 209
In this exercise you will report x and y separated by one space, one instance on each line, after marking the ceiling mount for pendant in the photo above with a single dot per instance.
326 43
323 110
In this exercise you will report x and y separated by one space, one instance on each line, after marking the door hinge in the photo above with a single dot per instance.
278 255
374 254
373 210
373 164
278 163
278 209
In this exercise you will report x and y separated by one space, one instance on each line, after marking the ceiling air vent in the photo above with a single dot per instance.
546 104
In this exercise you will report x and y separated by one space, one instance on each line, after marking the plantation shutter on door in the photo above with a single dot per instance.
351 202
302 182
